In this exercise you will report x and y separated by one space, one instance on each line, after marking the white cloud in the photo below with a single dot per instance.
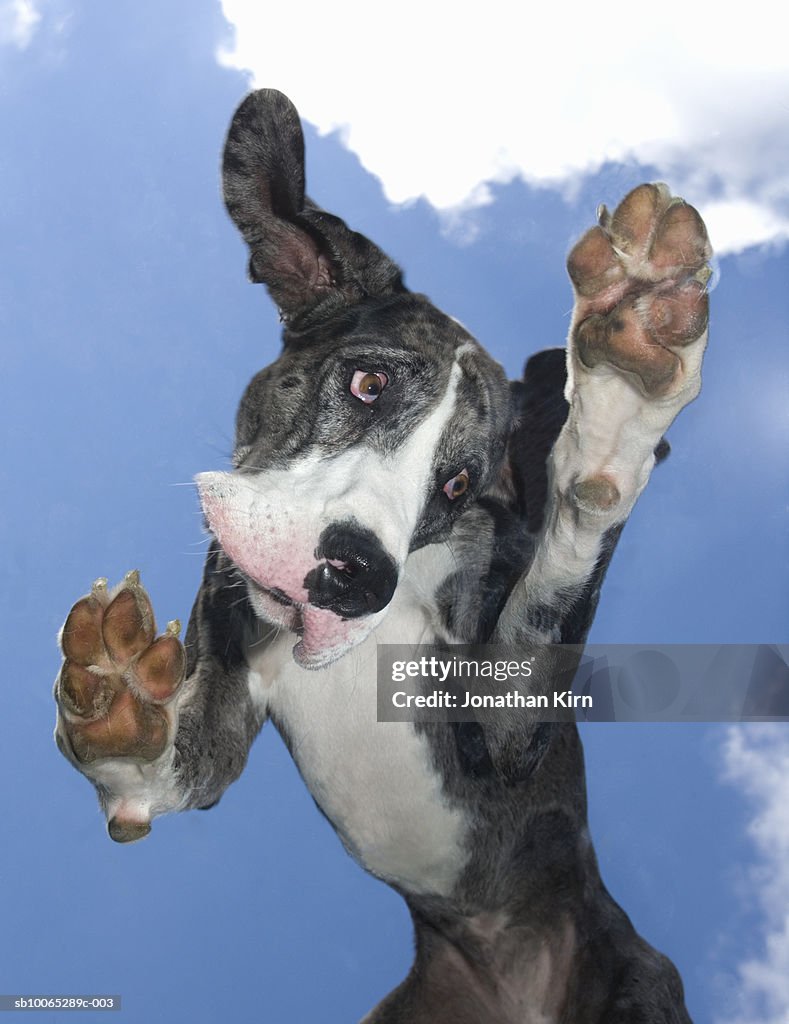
757 760
18 22
436 100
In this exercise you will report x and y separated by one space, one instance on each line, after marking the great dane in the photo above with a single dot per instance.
389 484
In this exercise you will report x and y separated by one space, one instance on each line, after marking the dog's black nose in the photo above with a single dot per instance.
357 577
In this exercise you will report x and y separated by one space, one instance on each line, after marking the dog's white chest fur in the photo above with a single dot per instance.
374 780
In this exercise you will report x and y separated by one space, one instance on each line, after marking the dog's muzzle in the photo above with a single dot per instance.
328 582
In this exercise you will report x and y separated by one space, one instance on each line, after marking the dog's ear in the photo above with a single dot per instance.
311 262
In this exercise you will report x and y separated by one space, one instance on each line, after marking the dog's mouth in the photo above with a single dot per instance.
324 636
274 604
277 595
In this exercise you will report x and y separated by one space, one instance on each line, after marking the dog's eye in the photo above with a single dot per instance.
457 485
368 386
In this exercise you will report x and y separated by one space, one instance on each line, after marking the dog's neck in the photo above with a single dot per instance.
489 968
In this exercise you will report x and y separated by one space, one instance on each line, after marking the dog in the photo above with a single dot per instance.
390 485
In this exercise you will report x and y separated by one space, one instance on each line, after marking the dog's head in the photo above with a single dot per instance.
381 421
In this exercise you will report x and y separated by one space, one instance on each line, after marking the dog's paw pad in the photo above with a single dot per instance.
593 264
633 223
621 340
128 626
678 316
160 669
117 676
597 494
80 638
640 279
123 831
129 728
84 694
680 242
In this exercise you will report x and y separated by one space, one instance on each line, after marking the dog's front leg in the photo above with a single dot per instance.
155 725
636 343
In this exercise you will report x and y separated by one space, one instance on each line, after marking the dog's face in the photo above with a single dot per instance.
377 426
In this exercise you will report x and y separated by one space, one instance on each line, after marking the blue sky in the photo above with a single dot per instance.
129 333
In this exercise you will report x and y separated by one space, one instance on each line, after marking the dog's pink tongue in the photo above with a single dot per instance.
326 636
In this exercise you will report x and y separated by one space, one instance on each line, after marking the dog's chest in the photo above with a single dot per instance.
375 781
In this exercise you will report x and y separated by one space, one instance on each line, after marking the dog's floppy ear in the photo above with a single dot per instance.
311 262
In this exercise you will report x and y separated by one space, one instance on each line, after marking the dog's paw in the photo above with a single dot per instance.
641 307
115 695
